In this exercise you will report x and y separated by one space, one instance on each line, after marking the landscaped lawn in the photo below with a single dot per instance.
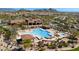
75 49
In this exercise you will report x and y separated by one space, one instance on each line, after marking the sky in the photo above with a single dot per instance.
68 9
58 9
61 9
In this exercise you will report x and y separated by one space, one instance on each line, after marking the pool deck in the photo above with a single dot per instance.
21 32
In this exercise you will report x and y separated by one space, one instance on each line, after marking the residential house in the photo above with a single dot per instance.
34 21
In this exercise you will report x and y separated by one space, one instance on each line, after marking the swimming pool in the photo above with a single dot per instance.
41 33
62 34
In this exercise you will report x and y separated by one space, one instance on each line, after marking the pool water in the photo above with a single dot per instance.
41 33
62 34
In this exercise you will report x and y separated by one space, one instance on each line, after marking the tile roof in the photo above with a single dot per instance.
27 36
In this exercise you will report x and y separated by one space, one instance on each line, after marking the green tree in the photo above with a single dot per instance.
27 43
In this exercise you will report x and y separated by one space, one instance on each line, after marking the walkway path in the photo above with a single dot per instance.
64 49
